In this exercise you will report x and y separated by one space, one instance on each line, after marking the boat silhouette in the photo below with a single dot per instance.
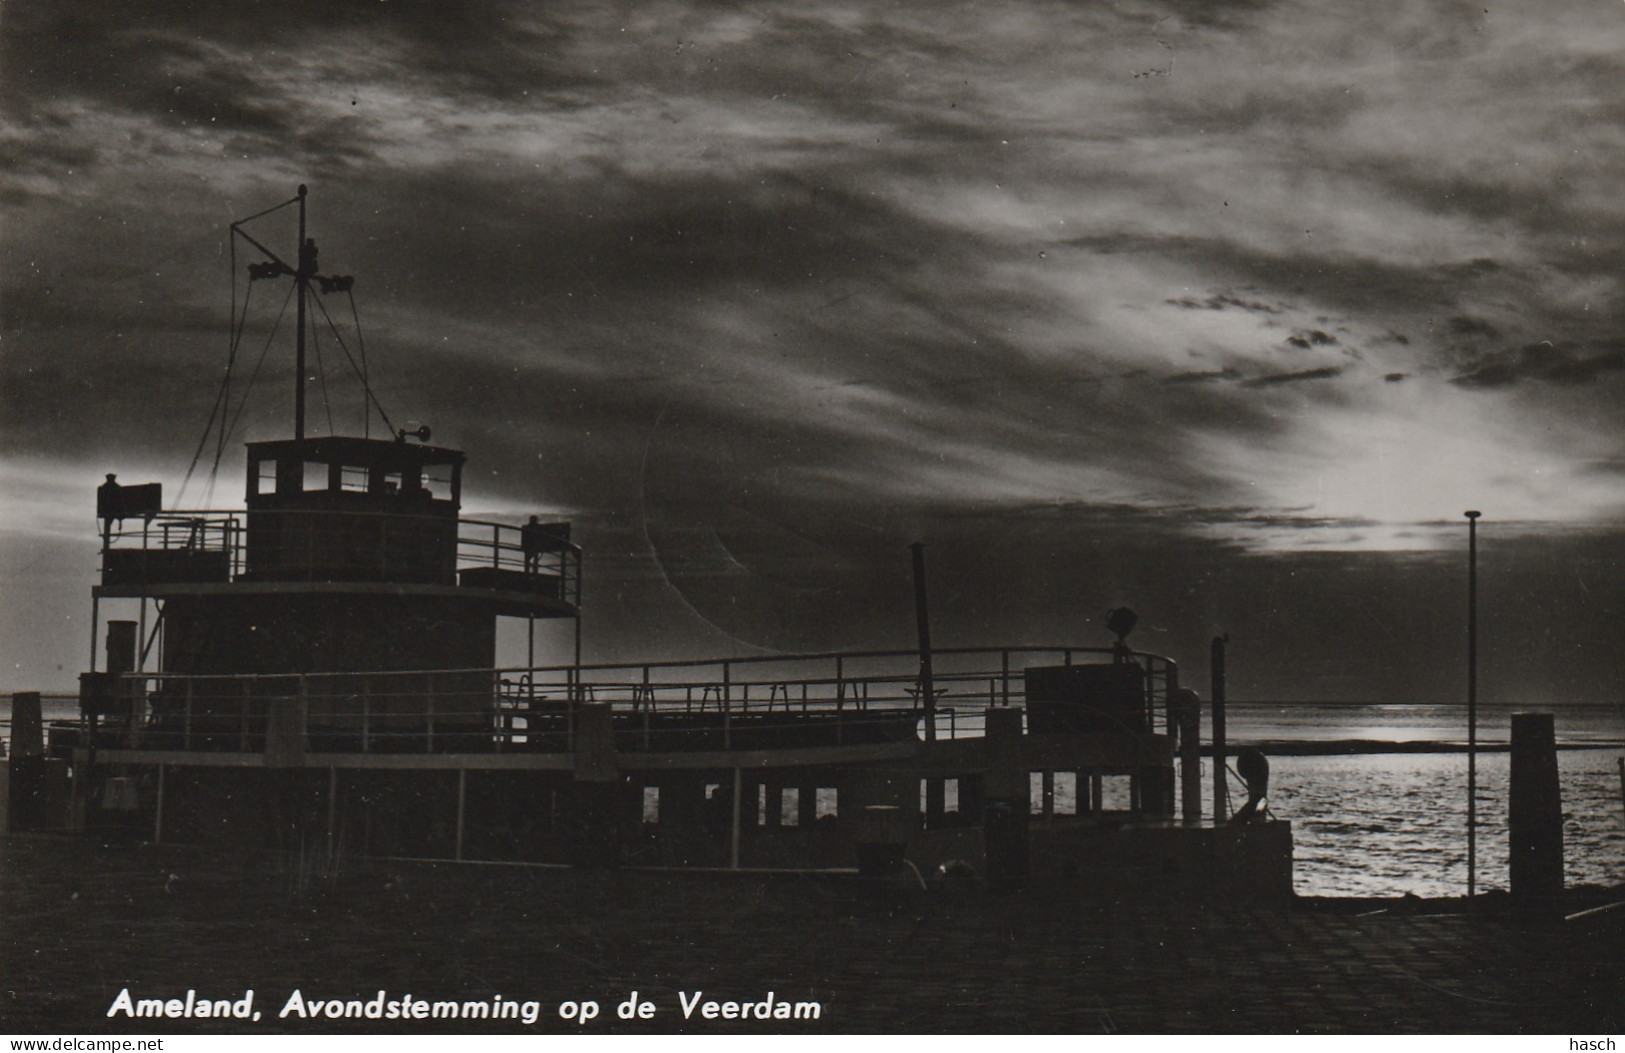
318 667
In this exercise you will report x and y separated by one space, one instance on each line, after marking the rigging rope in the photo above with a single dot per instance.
238 322
222 399
255 374
321 372
241 323
291 201
202 441
366 383
231 346
360 374
218 422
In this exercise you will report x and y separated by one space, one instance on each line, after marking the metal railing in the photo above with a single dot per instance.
762 702
187 546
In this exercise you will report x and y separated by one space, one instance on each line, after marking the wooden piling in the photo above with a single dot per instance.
27 725
1535 813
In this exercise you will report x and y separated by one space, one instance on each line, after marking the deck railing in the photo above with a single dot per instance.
200 546
836 698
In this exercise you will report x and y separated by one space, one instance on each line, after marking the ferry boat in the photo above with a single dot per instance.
316 671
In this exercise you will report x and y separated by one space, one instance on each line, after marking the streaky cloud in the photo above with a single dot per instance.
1274 379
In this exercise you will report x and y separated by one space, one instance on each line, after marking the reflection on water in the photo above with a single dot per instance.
1390 823
1410 722
1378 824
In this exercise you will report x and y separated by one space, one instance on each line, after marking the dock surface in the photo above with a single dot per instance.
82 921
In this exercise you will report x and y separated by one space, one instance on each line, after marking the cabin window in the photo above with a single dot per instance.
437 480
790 807
315 476
1115 793
761 804
1066 793
711 789
392 483
950 795
826 804
651 804
353 479
264 477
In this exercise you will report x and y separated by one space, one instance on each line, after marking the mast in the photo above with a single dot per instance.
922 619
303 274
301 281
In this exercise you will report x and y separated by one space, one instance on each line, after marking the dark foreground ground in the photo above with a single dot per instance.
81 922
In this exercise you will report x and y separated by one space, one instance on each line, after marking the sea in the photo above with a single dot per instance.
1394 822
1377 793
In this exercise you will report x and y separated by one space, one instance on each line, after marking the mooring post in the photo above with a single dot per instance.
1535 813
27 725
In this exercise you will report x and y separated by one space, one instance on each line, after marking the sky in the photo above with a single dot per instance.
1222 311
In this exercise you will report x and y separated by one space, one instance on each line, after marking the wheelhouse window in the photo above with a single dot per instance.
437 481
264 477
352 479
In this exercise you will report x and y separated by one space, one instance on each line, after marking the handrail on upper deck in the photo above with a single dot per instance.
206 533
824 683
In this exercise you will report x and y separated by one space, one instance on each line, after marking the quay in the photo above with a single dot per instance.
83 921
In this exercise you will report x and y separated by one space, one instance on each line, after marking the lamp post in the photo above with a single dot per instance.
1472 703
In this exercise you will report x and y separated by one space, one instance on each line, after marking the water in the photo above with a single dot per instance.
1376 823
1411 723
1382 824
1390 823
1385 824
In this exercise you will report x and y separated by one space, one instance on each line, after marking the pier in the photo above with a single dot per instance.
877 957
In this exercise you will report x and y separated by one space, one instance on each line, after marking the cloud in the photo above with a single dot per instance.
1611 467
763 287
1323 373
1467 327
1312 338
1223 302
1204 376
1562 365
